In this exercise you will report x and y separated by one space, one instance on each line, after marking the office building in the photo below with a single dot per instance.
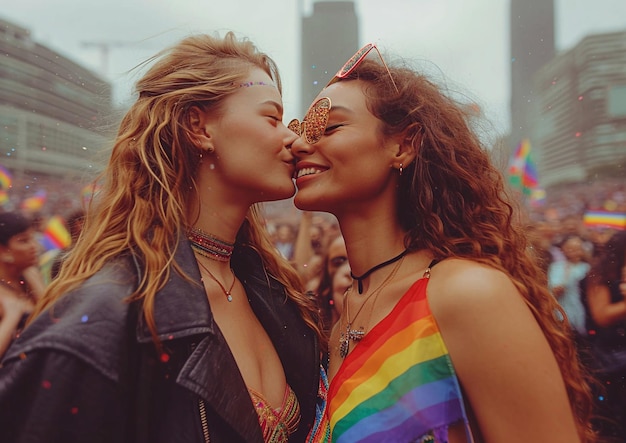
51 113
579 123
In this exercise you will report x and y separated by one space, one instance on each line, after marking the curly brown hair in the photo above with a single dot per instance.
455 204
150 177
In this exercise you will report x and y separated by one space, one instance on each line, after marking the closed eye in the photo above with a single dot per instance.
332 128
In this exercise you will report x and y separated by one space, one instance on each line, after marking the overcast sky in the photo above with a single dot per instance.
467 40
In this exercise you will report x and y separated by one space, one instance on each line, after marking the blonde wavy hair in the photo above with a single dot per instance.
149 180
454 203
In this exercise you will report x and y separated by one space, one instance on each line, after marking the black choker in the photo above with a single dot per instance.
376 268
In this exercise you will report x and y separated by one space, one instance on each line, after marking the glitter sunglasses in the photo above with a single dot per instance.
314 123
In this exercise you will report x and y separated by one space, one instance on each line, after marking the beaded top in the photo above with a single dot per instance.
277 424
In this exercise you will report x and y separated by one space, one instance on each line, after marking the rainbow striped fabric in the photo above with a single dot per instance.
398 383
55 234
320 432
5 178
522 168
605 219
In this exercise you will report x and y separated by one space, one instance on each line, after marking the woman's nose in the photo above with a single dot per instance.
300 147
290 138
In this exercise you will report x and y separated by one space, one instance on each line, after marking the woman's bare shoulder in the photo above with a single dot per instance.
459 280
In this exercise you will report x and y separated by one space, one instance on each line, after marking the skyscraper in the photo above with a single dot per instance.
579 123
52 111
532 46
329 37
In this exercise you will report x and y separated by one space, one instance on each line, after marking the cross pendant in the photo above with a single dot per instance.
349 334
356 334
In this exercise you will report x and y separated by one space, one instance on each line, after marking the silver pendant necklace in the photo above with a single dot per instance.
356 335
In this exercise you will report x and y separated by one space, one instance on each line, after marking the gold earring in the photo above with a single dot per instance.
401 169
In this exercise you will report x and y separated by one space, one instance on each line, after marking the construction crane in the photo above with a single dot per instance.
105 48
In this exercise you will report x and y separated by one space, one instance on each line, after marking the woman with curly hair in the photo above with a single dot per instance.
448 333
173 319
606 298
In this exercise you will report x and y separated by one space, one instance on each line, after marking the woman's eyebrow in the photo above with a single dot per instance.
275 104
342 109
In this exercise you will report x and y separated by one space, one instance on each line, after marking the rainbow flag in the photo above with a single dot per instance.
605 219
537 197
522 168
35 202
398 383
5 178
4 197
55 234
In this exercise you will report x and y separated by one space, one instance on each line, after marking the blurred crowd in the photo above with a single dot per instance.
584 265
585 268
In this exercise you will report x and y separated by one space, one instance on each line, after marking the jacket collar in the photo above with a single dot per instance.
181 308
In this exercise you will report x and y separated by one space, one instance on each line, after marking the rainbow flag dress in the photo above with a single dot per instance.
398 383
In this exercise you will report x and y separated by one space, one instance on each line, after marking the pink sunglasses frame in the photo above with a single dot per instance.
314 123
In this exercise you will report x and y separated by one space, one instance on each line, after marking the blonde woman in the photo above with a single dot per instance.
173 319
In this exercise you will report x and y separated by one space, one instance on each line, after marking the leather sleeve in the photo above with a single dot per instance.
50 396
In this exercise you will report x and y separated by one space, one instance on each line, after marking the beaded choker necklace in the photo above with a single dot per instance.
209 246
360 278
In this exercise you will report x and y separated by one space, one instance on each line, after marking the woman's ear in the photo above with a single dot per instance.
404 151
200 129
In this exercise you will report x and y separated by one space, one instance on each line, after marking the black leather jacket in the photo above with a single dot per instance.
88 370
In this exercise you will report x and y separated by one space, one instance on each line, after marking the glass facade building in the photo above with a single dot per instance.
51 113
579 120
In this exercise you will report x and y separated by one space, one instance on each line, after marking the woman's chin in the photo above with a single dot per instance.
279 194
309 204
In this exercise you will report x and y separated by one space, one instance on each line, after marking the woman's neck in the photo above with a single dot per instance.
12 280
217 218
370 242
